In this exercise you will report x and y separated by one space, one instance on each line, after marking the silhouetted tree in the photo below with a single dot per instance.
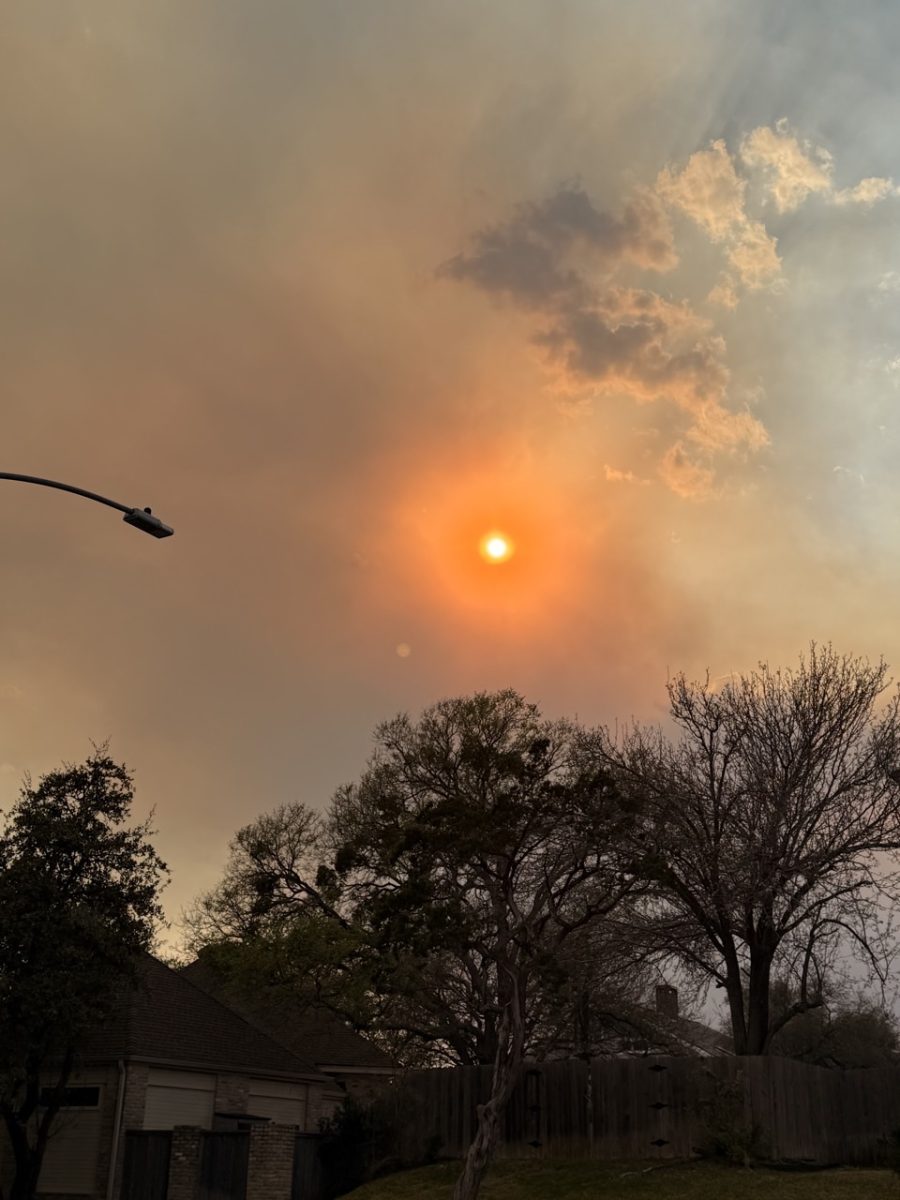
79 900
840 1033
768 830
486 834
477 842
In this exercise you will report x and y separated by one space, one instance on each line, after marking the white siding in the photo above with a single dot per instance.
70 1161
284 1103
179 1098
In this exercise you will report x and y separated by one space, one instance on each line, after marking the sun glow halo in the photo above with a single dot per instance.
496 547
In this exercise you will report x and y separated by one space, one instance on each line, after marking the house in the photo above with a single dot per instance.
316 1033
669 1032
173 1055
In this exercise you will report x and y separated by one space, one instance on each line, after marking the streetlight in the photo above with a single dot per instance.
140 518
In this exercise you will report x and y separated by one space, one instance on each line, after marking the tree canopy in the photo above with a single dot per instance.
79 892
768 831
478 841
842 1032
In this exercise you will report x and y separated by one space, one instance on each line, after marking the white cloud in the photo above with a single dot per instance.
867 192
709 191
794 169
790 172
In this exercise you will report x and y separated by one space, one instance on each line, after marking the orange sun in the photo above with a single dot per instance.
496 547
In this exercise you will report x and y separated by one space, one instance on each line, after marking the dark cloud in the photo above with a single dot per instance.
603 334
524 258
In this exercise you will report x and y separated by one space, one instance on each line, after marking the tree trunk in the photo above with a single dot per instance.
24 1185
758 1003
27 1166
734 989
505 1076
29 1155
21 1188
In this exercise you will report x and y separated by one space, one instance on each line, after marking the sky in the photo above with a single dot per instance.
340 287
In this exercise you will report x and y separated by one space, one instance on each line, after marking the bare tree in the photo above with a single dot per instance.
769 829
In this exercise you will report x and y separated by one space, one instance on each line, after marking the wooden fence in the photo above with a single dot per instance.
658 1107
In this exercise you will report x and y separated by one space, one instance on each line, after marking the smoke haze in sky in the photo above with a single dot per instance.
337 288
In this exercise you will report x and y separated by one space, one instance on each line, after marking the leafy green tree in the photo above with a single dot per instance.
769 832
79 894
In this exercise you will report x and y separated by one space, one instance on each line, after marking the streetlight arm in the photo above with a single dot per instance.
141 518
65 487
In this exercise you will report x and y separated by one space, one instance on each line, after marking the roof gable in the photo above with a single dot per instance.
313 1033
166 1018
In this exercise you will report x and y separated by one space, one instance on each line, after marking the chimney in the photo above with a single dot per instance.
666 1000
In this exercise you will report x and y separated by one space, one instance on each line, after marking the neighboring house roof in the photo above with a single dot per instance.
314 1032
166 1019
643 1029
704 1038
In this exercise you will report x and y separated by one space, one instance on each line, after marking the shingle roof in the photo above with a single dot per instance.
168 1019
311 1032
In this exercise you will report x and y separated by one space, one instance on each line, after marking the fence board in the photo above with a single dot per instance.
145 1172
660 1107
224 1160
307 1180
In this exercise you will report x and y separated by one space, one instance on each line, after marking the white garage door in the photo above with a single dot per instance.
179 1098
70 1161
284 1103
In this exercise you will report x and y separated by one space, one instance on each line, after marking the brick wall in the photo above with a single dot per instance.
184 1164
271 1162
135 1096
232 1093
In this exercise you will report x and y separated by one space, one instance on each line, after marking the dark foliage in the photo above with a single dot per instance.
79 897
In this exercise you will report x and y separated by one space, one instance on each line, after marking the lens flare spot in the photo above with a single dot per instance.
496 547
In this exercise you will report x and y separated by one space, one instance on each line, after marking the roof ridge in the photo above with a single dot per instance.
239 1016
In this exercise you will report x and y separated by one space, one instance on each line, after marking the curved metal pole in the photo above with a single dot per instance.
65 487
141 518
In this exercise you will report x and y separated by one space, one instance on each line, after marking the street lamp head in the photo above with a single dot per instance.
143 518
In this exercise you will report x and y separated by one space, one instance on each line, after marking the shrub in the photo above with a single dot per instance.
364 1141
727 1134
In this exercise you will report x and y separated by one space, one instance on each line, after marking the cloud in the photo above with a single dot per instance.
710 192
793 170
624 340
616 475
725 293
635 341
754 256
867 192
790 173
572 266
686 477
524 258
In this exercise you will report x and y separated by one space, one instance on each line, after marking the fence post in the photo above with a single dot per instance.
184 1163
271 1171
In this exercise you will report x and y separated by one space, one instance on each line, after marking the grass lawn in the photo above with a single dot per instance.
546 1179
